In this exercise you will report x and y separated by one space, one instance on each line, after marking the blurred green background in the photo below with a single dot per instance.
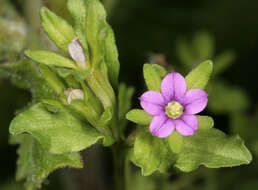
176 34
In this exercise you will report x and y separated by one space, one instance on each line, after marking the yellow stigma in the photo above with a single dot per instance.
174 110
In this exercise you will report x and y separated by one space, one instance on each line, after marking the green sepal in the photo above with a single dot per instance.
57 29
50 58
139 116
35 163
199 76
205 122
213 149
176 142
56 132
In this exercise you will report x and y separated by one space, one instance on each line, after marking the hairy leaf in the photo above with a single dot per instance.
56 132
57 29
111 56
151 154
95 26
77 9
35 164
50 58
24 74
213 149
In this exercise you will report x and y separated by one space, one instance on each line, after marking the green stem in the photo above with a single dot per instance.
119 158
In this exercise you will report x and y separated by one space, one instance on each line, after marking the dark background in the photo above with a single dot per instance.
144 27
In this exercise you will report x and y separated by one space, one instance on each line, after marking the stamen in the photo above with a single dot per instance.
174 110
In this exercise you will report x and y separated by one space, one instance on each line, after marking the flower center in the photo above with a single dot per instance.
174 110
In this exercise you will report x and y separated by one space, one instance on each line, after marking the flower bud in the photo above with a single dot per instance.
73 94
77 53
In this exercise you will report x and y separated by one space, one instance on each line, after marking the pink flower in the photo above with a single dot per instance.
174 107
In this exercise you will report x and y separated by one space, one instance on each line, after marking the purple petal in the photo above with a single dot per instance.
161 126
191 121
195 101
153 102
173 86
183 128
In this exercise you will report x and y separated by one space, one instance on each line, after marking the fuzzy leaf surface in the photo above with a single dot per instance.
35 164
213 149
58 133
50 58
57 29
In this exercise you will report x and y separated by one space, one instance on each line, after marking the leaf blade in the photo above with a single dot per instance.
213 149
58 133
50 58
199 77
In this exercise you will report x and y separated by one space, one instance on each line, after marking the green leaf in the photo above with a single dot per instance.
53 106
58 133
105 118
79 76
150 153
223 61
57 29
50 58
95 26
176 142
205 122
225 98
185 54
35 164
108 141
199 77
213 149
111 57
24 74
139 116
160 70
52 79
203 45
77 9
12 37
125 94
152 77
